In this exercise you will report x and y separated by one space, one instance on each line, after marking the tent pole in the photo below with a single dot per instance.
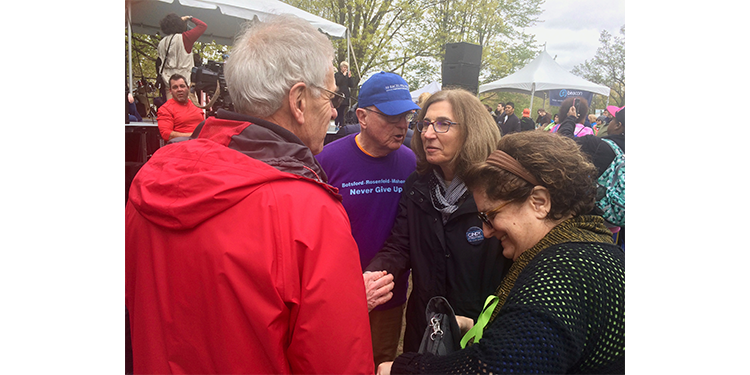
130 53
348 58
354 58
348 46
531 105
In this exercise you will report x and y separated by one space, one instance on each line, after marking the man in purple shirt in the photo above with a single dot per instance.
369 168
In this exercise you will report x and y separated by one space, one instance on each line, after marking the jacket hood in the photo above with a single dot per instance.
188 182
267 142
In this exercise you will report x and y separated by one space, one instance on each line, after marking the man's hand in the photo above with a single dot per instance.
572 112
464 324
385 368
378 286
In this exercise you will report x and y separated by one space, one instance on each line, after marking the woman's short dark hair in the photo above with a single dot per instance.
172 24
556 161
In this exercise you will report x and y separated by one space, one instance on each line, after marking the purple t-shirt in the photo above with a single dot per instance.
371 188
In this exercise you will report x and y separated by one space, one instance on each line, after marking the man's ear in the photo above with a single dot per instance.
298 102
620 126
540 201
362 117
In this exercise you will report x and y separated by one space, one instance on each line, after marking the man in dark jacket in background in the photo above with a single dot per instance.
499 114
510 123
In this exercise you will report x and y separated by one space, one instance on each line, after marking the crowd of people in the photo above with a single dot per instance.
254 246
589 122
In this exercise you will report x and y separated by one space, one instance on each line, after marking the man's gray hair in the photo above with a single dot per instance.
270 57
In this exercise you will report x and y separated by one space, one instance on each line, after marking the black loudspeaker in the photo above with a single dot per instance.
465 76
461 66
463 53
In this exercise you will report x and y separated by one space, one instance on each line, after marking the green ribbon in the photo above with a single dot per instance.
476 331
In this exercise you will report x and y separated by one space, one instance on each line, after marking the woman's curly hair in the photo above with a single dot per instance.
556 161
172 24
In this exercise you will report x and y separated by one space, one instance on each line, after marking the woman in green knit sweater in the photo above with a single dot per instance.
561 307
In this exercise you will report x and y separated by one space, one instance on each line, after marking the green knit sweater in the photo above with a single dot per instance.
561 310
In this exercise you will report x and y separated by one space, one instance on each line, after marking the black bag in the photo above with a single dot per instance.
442 335
159 80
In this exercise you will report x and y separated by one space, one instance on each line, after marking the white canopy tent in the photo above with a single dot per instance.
431 87
541 75
223 17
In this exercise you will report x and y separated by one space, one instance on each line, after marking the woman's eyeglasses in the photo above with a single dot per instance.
487 217
440 126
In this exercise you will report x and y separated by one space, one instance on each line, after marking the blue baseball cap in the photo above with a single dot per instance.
388 92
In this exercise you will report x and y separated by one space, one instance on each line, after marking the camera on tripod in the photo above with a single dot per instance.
205 79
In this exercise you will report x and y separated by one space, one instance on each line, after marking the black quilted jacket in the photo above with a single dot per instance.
452 260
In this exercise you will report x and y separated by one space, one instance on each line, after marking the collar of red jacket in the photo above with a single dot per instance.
265 141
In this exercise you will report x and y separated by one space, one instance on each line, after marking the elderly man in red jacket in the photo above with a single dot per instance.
239 257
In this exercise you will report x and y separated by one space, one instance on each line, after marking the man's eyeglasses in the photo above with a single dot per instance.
336 99
395 119
487 217
440 126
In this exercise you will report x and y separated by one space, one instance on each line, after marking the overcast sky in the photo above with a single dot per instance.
571 28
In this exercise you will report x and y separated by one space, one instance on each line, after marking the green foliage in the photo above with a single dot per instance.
404 36
144 55
409 36
607 67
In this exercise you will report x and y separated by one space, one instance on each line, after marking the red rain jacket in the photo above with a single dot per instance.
234 266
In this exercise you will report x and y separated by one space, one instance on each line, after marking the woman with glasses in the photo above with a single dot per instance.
437 233
561 306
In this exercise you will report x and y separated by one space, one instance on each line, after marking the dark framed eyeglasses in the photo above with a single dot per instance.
440 126
487 217
395 119
336 97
